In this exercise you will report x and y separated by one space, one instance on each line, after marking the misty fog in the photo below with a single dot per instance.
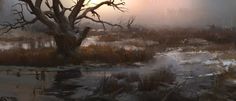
1 3
185 12
167 13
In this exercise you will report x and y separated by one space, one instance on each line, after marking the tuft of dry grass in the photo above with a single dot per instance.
123 81
110 85
111 37
108 54
34 57
129 77
48 56
174 37
156 79
157 86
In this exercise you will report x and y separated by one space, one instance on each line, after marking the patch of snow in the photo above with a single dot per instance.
90 41
132 47
229 62
6 46
234 81
125 44
100 30
211 62
139 42
195 41
210 74
47 44
25 46
226 64
139 64
231 82
193 61
187 57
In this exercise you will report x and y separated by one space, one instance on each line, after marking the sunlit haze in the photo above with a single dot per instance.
117 50
176 13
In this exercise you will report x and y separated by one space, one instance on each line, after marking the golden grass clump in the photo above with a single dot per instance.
94 53
108 54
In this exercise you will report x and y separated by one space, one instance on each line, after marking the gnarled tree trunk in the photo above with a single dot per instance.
60 19
68 44
65 45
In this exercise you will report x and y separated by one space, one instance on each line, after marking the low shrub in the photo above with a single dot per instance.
129 77
110 85
156 79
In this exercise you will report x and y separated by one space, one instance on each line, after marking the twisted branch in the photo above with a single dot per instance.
94 13
103 22
21 21
55 18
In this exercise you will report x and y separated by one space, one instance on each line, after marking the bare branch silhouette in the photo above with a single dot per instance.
130 22
66 32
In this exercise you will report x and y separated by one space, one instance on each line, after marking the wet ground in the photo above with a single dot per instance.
51 84
72 83
69 83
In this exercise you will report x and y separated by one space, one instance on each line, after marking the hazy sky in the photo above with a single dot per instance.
1 3
183 13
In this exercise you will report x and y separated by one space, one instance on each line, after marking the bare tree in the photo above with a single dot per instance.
61 20
130 22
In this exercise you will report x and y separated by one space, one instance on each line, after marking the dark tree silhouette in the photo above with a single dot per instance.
61 20
1 3
130 22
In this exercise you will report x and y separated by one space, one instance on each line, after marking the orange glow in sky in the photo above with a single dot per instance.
172 12
164 12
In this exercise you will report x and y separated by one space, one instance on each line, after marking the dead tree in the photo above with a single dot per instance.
62 21
130 23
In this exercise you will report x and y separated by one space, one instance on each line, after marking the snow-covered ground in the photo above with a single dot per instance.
128 44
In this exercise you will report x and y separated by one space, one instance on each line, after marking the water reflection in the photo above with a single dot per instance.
25 85
38 84
60 88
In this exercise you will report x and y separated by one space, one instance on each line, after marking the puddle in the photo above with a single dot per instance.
24 84
51 84
58 84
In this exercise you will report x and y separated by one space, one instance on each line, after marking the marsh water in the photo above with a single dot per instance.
75 82
51 83
69 83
